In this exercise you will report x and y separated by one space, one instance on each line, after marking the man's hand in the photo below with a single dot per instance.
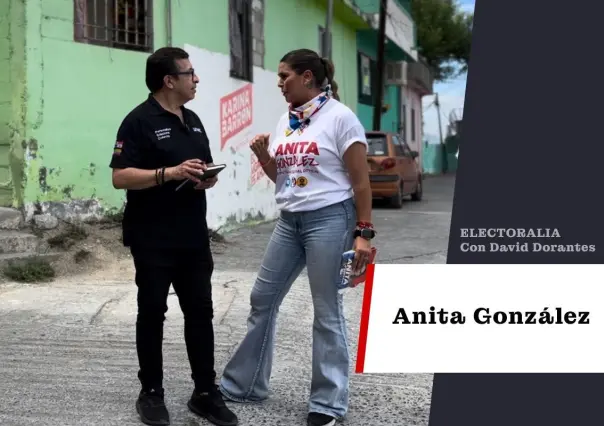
207 183
189 169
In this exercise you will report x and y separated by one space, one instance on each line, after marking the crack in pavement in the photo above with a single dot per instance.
228 308
100 310
416 255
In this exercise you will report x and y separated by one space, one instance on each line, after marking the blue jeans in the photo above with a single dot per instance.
315 239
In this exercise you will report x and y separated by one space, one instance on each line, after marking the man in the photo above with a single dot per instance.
160 144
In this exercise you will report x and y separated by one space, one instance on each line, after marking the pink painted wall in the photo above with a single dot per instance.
413 101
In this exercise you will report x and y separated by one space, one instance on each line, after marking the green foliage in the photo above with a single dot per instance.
32 271
444 36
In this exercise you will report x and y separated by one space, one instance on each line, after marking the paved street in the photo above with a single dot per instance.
68 356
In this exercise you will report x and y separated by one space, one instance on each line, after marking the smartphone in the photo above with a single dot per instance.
208 173
212 171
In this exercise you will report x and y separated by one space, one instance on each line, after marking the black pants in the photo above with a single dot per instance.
189 271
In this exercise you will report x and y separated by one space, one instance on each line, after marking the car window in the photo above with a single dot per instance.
398 147
406 149
378 145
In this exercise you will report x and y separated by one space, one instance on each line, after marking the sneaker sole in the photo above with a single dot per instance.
210 418
147 421
331 423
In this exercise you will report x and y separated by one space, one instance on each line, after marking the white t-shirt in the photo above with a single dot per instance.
310 168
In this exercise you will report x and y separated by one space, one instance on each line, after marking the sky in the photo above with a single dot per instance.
451 95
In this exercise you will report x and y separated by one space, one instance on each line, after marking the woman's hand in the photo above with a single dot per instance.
362 248
259 146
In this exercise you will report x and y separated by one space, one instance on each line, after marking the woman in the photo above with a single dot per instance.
317 160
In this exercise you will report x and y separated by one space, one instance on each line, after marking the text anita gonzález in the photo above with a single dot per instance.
484 316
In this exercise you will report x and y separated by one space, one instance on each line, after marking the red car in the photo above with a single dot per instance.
393 169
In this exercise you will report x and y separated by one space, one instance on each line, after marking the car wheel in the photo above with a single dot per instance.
397 199
419 191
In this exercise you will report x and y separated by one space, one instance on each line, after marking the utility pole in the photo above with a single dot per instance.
377 109
440 131
327 31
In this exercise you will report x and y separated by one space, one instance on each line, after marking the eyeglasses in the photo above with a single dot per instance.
190 72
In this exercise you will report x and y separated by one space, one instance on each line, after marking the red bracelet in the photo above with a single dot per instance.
361 224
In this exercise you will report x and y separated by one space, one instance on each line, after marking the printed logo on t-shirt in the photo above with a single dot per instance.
302 181
299 182
163 133
311 173
117 149
297 157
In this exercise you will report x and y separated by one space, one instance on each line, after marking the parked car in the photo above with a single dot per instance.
393 169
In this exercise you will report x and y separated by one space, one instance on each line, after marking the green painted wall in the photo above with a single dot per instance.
12 99
77 96
390 119
291 24
78 93
432 160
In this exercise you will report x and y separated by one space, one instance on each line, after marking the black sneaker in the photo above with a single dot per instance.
152 409
212 407
318 419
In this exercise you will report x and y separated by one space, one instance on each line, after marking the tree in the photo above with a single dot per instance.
444 36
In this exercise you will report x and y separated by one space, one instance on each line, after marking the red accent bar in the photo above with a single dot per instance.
360 367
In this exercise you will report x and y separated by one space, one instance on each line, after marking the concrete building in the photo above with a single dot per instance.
407 78
417 82
71 69
399 49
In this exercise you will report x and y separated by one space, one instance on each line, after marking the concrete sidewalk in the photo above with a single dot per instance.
68 354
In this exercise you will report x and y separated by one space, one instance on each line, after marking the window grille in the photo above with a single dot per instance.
120 24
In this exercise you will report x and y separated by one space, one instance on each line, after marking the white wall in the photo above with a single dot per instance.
239 192
413 100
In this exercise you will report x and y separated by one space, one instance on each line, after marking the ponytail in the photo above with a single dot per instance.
330 71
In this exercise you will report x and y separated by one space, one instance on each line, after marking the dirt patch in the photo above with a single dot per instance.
95 250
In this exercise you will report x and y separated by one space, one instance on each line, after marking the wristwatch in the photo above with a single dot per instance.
366 233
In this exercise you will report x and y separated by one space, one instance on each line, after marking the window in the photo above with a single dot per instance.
366 79
398 146
258 32
394 72
240 29
377 145
413 124
119 24
367 72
